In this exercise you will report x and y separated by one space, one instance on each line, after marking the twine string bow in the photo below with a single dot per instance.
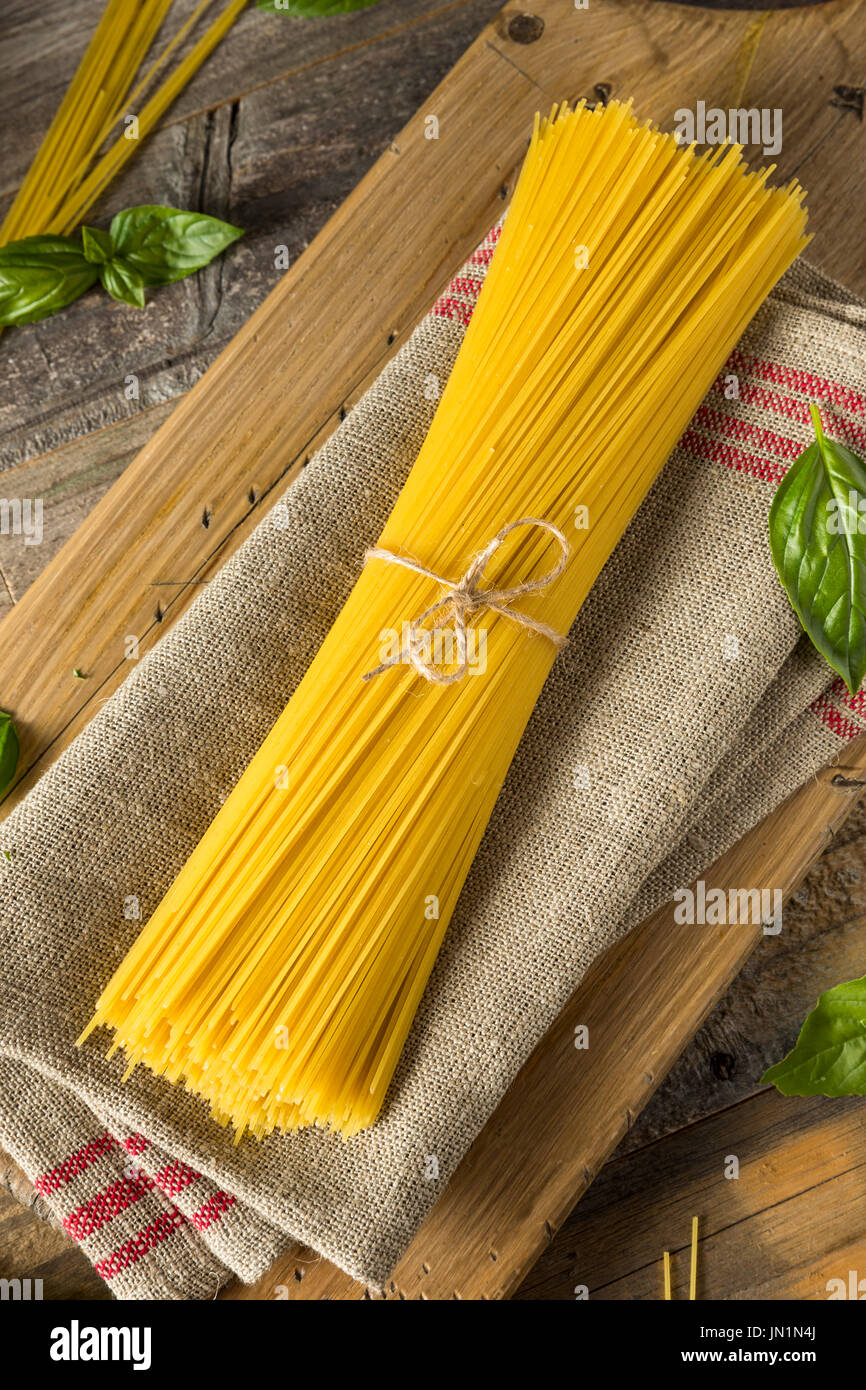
465 596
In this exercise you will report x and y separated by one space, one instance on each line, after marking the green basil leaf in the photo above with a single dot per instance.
314 9
39 275
8 750
165 244
830 1056
818 543
123 282
98 246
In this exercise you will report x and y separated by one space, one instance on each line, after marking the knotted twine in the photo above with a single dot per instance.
465 596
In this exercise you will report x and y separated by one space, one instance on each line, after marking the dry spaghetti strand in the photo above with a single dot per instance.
280 974
68 174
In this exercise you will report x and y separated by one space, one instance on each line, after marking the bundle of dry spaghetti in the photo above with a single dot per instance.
280 974
68 173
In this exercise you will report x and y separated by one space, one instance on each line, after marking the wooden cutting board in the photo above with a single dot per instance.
234 441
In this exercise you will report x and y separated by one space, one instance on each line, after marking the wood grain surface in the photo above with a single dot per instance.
273 139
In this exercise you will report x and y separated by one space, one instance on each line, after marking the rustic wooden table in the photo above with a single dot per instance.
311 117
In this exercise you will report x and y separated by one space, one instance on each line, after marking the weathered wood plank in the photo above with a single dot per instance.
42 49
68 482
791 1220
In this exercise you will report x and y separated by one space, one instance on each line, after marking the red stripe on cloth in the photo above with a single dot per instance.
461 296
159 1230
450 308
86 1219
175 1178
135 1144
483 254
467 285
816 387
828 714
768 470
790 408
856 702
140 1244
212 1210
73 1165
735 428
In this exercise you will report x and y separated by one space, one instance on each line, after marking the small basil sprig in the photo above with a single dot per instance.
829 1058
144 247
162 244
8 750
314 9
818 543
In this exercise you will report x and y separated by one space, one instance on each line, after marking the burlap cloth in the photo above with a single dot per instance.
686 705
